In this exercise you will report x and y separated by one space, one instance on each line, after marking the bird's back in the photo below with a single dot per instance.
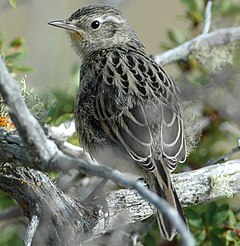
120 86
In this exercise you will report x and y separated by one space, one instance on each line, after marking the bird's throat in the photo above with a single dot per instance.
76 36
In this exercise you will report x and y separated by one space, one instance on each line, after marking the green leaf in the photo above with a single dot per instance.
210 213
194 219
16 42
200 237
150 240
194 5
217 231
166 46
196 16
216 239
13 56
9 236
5 200
13 3
221 214
74 139
231 217
230 235
237 225
187 3
23 69
63 118
175 35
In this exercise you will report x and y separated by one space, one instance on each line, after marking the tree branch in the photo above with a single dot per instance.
208 183
35 192
204 41
39 198
28 127
208 17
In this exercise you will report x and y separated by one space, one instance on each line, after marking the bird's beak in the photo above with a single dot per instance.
64 24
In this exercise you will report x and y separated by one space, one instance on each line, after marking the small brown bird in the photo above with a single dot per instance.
127 112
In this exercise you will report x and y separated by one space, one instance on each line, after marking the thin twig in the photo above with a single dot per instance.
31 229
226 156
208 17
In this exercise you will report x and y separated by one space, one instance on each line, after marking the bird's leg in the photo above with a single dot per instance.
97 192
97 196
144 182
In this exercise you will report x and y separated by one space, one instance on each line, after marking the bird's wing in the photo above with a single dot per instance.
132 88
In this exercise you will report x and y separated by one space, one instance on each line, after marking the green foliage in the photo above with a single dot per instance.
152 237
64 108
213 224
65 99
212 59
14 52
13 3
227 8
9 237
5 200
40 103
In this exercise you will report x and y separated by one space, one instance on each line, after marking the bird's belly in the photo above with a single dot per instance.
113 157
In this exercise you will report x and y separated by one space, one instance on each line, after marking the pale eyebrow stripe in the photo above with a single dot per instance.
114 19
110 18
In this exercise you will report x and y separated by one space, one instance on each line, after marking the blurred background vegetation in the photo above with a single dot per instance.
209 81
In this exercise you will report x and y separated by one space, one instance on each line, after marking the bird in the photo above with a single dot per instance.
128 114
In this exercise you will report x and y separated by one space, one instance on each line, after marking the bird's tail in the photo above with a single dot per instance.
161 184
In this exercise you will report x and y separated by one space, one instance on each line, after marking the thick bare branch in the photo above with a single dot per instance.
12 148
32 228
63 220
208 183
124 206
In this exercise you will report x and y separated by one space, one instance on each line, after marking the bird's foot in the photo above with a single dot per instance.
97 197
144 182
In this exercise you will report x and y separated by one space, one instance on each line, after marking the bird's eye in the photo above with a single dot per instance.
95 24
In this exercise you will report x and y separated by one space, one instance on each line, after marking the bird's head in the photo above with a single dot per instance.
96 27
